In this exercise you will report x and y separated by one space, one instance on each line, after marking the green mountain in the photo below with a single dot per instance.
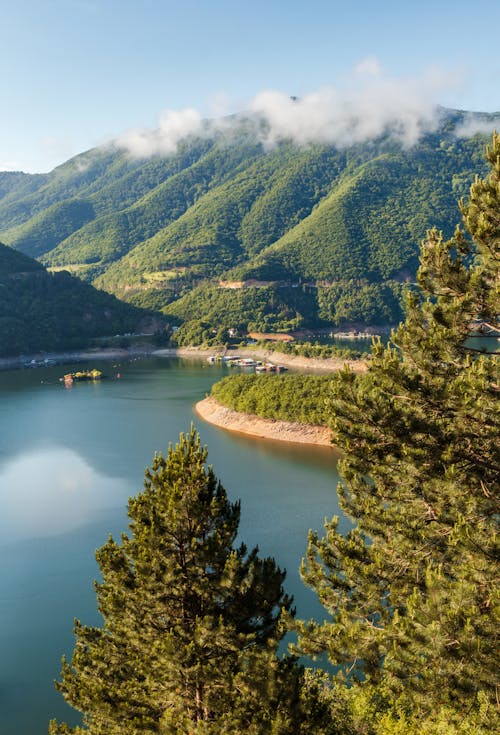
54 311
228 232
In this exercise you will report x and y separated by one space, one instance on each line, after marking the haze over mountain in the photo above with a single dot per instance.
258 221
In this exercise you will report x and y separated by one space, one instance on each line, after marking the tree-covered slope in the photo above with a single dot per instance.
341 226
72 179
113 234
292 397
239 214
45 230
369 224
15 184
49 311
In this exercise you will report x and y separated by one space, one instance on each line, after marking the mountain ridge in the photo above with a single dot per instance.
154 231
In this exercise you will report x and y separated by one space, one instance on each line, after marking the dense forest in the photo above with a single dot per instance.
55 311
287 397
238 236
191 622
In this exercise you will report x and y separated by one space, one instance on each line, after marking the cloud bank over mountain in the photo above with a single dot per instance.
366 105
474 124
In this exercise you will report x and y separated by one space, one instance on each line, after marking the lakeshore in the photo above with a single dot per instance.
215 413
296 362
329 364
209 409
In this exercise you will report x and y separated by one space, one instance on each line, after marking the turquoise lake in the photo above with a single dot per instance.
70 458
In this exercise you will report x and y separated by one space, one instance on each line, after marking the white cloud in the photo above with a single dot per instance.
367 108
220 104
370 66
173 126
368 105
477 124
10 166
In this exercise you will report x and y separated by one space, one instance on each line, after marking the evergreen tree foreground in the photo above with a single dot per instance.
412 590
191 623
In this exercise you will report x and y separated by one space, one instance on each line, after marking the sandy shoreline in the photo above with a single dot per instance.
225 418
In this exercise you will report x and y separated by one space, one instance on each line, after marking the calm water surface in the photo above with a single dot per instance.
70 458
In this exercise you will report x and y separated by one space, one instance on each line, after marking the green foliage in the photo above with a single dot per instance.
44 231
54 311
362 302
249 309
411 590
74 179
12 262
292 397
206 239
14 184
196 332
294 190
191 623
285 308
323 246
113 234
320 350
368 223
373 710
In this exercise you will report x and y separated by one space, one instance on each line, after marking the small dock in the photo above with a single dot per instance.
247 362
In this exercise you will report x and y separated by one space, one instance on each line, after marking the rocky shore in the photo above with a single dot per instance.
225 418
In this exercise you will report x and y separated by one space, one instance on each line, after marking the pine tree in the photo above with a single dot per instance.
191 624
412 590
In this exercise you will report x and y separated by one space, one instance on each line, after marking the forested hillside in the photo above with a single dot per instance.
51 311
232 233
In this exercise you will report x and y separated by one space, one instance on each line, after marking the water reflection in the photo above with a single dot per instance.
302 454
52 491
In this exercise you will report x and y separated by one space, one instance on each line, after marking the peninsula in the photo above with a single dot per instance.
234 402
289 431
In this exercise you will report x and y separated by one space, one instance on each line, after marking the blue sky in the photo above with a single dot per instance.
76 73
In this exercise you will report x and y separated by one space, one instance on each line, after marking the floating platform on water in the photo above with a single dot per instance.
82 375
